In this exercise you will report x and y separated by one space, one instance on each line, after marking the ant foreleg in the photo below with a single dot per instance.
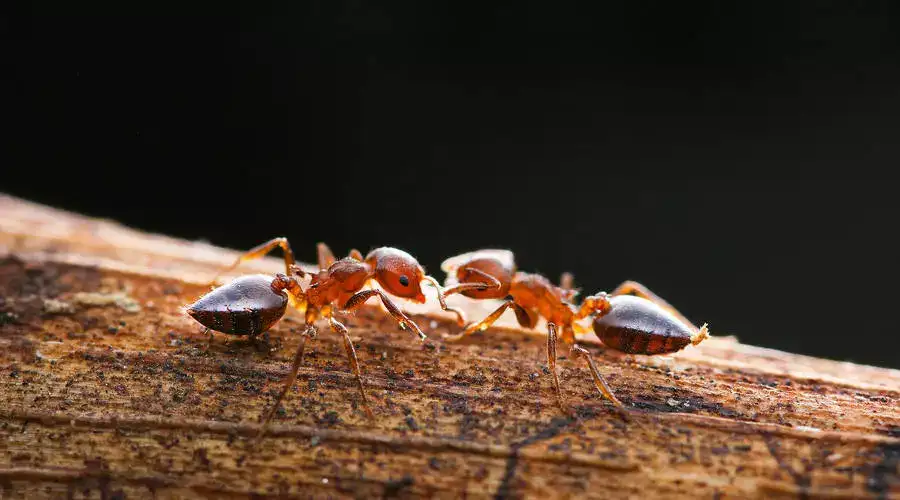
460 316
338 327
639 290
442 293
260 251
361 297
491 283
462 287
309 333
483 324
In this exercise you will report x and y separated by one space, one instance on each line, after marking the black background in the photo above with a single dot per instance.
734 157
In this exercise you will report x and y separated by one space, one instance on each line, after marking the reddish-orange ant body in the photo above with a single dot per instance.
630 319
250 305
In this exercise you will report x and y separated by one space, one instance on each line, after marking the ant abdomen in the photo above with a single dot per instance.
635 325
248 305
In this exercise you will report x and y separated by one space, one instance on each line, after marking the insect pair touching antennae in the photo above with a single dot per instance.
631 319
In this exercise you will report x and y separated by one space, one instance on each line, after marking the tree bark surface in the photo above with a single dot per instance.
109 390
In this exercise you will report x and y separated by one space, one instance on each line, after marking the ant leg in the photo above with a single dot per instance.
599 381
568 337
442 293
462 287
637 289
483 324
551 362
260 251
338 327
309 333
492 282
356 254
527 318
326 257
460 316
361 297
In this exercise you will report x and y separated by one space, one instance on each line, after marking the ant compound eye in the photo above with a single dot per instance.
404 280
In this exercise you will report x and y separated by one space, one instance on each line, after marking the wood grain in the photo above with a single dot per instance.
110 391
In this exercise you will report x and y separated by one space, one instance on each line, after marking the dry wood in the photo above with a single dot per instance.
109 389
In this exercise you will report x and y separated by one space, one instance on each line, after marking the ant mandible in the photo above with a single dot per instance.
631 319
250 305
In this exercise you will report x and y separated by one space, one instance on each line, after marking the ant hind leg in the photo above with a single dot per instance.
260 251
309 333
599 381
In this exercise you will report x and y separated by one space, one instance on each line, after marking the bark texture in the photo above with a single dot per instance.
108 391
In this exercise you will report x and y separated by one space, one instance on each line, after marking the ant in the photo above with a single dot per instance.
631 319
251 305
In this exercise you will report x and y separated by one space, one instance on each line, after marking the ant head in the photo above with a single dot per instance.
503 260
481 266
398 272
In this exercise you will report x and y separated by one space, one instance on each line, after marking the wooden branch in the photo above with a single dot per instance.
108 388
